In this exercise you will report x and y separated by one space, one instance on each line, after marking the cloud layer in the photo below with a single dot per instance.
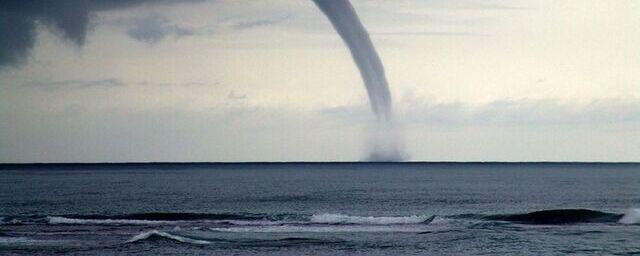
70 18
271 81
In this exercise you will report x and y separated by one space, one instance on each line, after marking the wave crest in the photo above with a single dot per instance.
63 220
632 216
346 219
543 217
160 234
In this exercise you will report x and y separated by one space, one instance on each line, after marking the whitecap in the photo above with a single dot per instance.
8 240
63 220
148 234
10 221
257 222
346 219
632 216
442 220
324 229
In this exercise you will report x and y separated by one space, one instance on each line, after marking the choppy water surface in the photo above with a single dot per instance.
329 209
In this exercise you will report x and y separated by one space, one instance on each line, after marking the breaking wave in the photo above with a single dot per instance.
10 239
9 221
63 220
543 217
170 218
329 223
632 216
346 219
236 219
323 229
160 234
181 216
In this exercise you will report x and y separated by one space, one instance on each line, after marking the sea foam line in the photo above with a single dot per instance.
324 229
63 220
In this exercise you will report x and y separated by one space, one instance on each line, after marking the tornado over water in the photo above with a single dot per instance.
386 142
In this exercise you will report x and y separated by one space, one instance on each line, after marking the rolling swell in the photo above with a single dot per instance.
558 217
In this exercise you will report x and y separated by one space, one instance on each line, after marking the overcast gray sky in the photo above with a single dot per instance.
271 81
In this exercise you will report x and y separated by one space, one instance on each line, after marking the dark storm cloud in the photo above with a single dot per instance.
18 37
69 18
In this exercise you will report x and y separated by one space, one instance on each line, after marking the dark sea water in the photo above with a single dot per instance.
321 209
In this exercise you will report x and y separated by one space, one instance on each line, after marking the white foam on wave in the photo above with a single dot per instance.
19 240
256 222
346 219
63 220
632 216
324 229
146 235
442 220
10 239
8 221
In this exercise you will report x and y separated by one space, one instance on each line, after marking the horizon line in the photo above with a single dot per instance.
324 162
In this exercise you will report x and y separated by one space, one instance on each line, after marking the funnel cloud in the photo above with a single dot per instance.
386 142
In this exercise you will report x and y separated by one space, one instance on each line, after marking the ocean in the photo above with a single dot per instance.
320 209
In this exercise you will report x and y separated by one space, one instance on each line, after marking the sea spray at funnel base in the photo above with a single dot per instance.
386 142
